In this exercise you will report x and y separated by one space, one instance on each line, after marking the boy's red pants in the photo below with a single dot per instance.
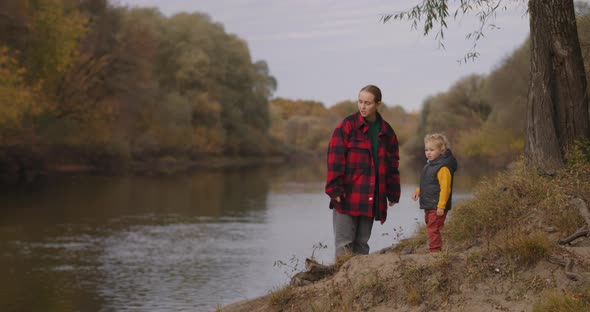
434 224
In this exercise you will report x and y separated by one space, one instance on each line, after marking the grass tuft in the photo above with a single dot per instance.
420 238
372 290
280 297
557 301
522 248
342 259
431 283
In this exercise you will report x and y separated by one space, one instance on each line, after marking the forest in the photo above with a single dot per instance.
86 82
92 85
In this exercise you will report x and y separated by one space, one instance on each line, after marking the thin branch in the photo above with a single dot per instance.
436 12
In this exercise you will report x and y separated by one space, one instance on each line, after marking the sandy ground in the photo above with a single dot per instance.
379 282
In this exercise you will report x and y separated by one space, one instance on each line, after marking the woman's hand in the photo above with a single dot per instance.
416 195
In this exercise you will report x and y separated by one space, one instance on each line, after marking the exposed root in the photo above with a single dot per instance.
570 273
568 266
580 233
582 207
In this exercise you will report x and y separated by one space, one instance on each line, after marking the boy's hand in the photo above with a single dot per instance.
416 195
440 212
391 203
337 198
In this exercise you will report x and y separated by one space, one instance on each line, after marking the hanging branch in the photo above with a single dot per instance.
436 12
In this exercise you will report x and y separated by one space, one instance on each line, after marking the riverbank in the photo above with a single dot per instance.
169 165
25 165
506 249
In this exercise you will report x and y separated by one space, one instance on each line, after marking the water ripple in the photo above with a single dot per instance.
153 267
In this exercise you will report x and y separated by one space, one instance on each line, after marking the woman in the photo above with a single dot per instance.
363 160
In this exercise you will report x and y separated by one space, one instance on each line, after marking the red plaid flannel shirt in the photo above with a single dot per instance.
351 170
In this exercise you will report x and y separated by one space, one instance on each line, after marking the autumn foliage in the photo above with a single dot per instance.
88 82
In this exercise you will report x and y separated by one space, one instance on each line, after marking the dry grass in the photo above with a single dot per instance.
522 248
558 301
505 228
369 283
411 275
339 299
342 259
510 215
314 307
579 154
475 266
420 238
575 181
506 201
372 290
280 297
369 291
566 221
431 283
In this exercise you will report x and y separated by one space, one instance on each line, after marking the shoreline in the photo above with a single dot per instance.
23 173
164 166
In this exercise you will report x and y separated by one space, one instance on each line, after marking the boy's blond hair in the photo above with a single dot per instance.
439 139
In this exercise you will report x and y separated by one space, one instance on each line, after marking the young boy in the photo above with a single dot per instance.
436 186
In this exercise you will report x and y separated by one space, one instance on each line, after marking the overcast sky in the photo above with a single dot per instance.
326 50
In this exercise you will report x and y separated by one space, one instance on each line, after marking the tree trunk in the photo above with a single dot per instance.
557 109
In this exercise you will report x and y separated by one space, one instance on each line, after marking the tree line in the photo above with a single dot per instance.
91 83
305 127
83 81
86 81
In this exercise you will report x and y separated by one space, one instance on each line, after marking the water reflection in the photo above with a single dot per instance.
92 243
176 243
170 267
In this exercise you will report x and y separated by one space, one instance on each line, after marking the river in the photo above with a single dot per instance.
184 243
